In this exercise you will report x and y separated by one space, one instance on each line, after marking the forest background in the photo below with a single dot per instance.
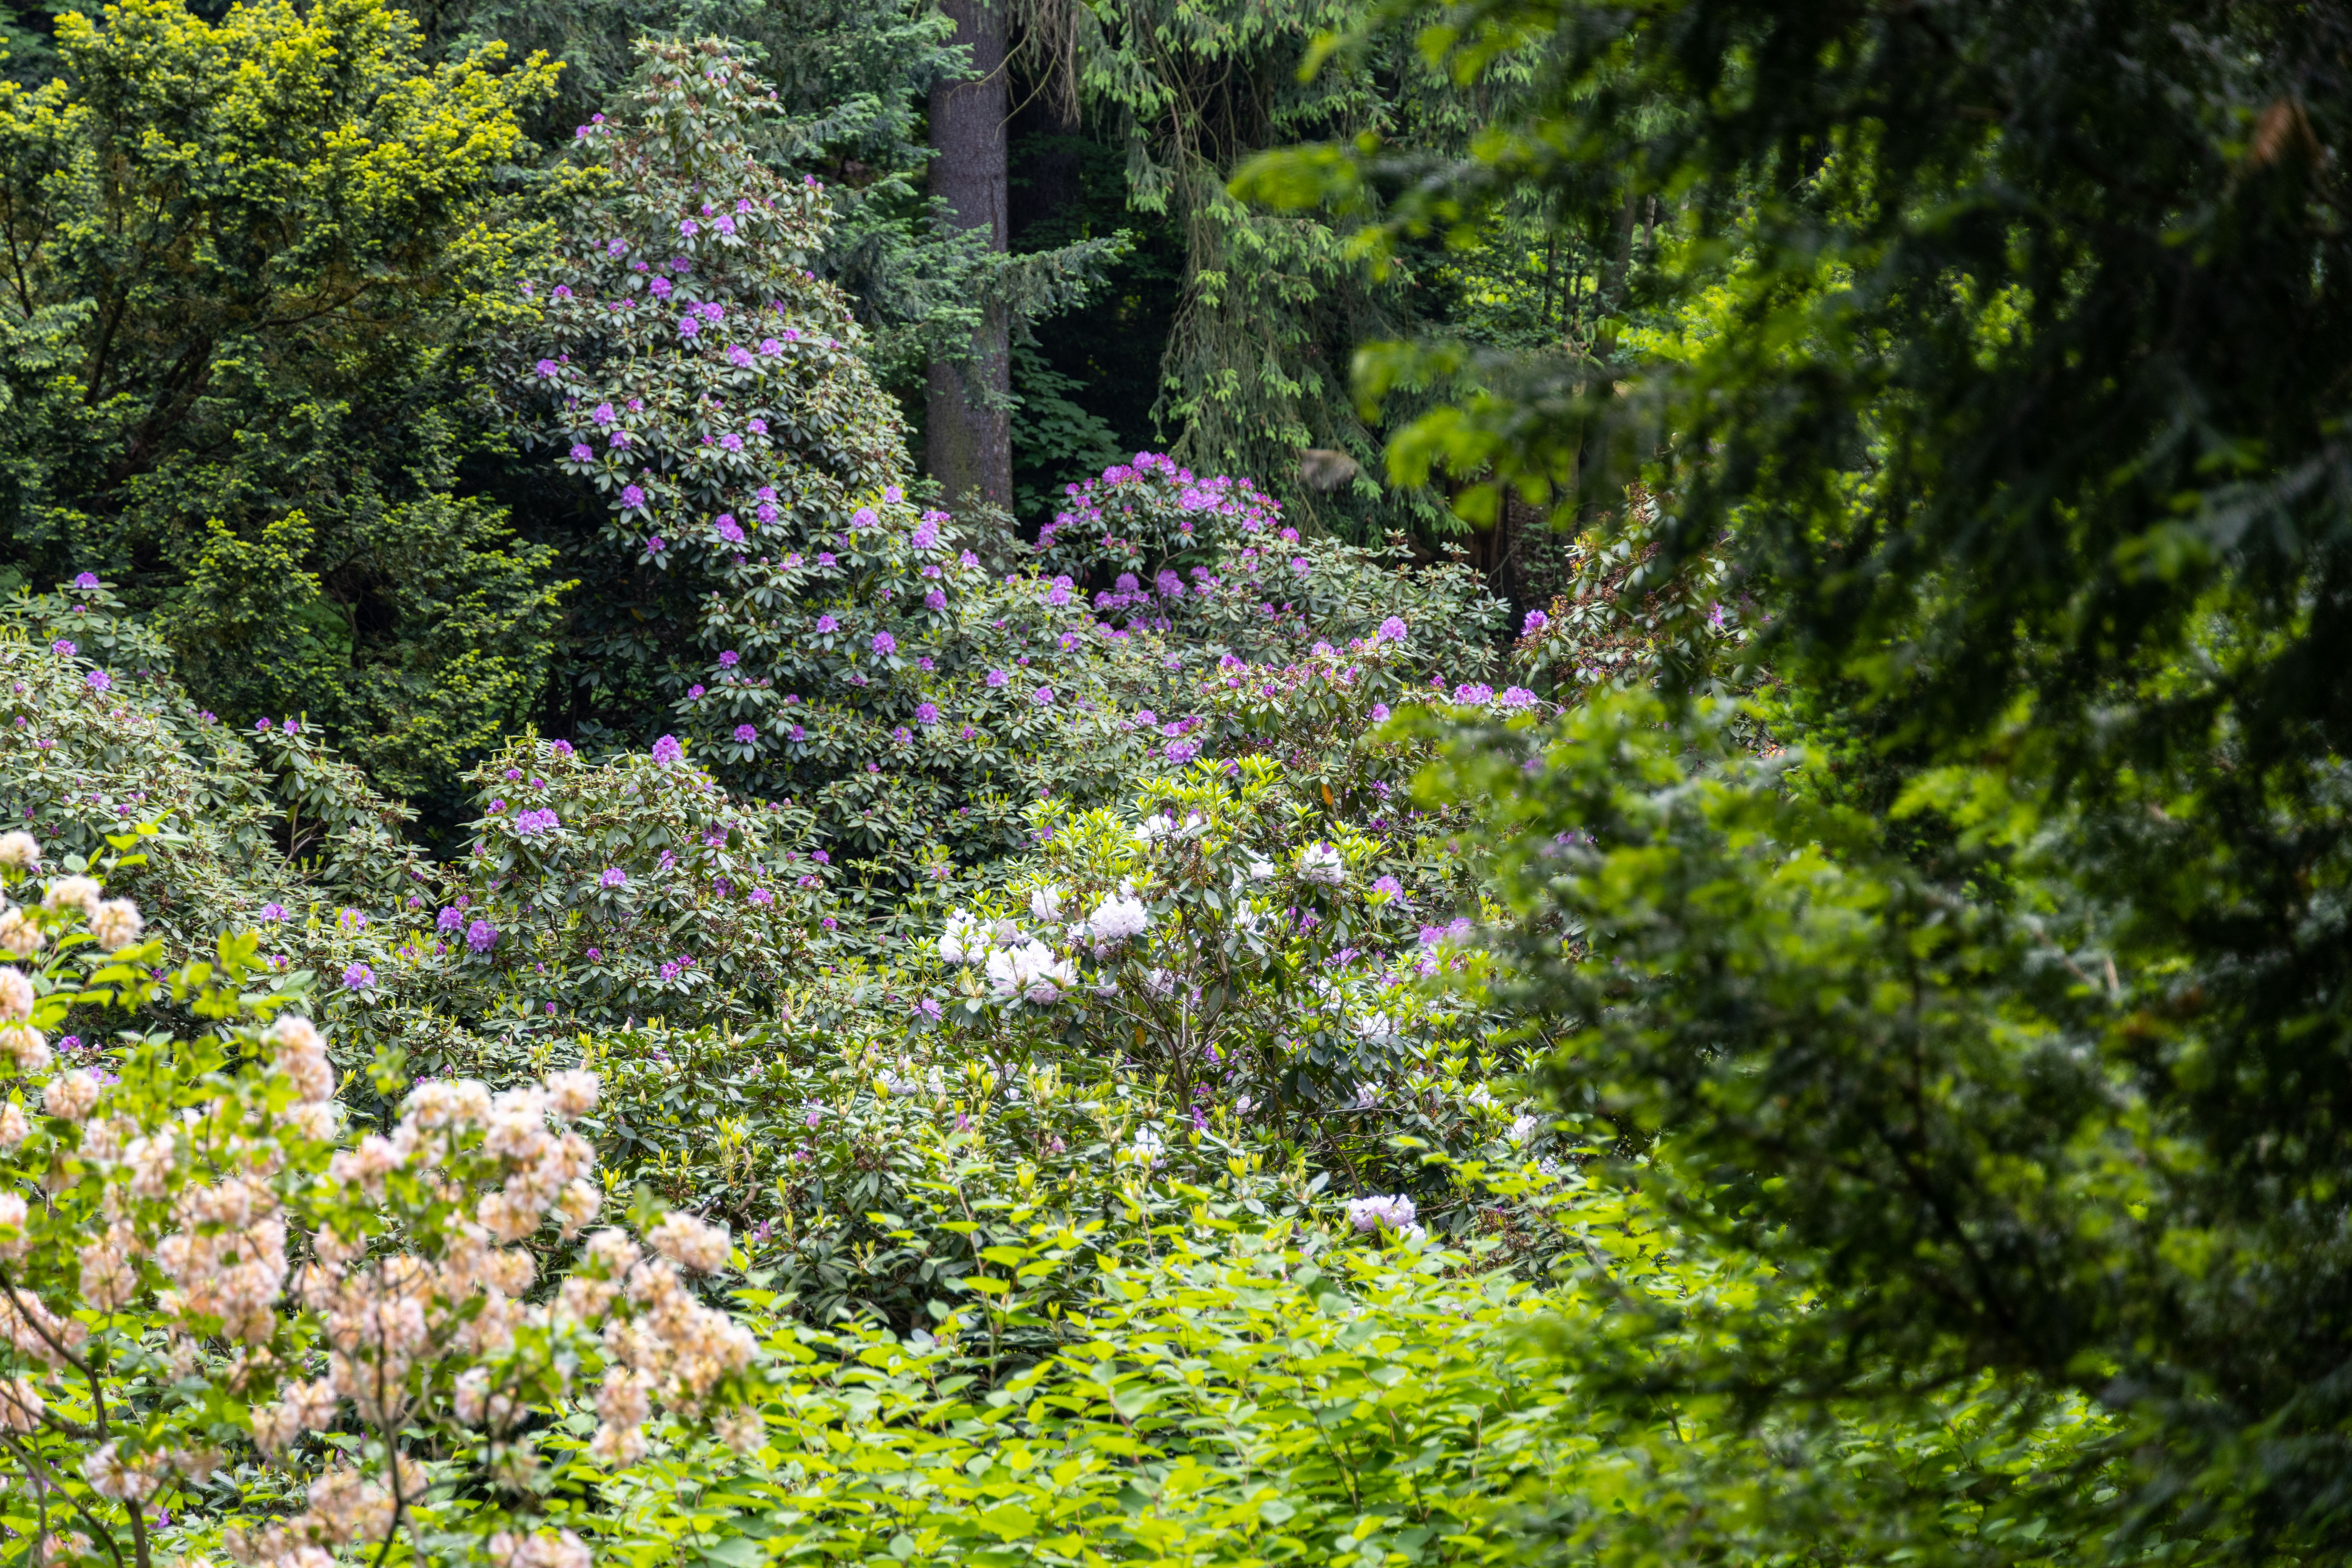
1033 229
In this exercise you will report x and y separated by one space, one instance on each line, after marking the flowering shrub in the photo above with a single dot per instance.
1209 561
199 1262
1623 624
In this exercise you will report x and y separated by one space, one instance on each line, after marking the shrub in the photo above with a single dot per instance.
202 1268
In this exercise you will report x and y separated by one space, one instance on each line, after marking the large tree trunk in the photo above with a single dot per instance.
969 439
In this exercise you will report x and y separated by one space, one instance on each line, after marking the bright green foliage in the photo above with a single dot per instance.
251 267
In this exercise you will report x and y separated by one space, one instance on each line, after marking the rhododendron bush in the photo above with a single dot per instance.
202 1262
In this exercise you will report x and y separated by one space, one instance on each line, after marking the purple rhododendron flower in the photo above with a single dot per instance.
601 414
885 643
1537 621
826 623
481 936
632 497
99 680
546 368
761 897
687 326
935 600
729 659
1043 696
613 877
450 919
728 530
659 288
927 713
582 452
996 677
732 442
359 977
667 751
62 648
1390 885
1393 629
757 426
688 228
745 734
86 581
656 545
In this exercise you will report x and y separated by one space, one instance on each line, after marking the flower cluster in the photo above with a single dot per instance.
203 1199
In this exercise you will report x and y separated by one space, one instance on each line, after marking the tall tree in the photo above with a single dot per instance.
251 267
968 436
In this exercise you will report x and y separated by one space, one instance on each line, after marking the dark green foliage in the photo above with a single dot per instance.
2015 1015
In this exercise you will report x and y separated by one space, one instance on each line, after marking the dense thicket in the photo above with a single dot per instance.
2004 1011
1108 1037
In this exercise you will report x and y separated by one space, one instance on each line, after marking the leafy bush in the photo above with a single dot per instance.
210 1262
257 267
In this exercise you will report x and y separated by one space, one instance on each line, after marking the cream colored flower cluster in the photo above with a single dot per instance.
345 1507
670 1347
224 1218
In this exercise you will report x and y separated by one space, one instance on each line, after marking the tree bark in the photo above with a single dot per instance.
969 434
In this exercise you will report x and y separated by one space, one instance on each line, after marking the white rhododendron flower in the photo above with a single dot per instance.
1045 903
1392 1211
19 937
1116 919
116 923
966 939
686 1240
1031 973
19 852
71 893
1321 863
